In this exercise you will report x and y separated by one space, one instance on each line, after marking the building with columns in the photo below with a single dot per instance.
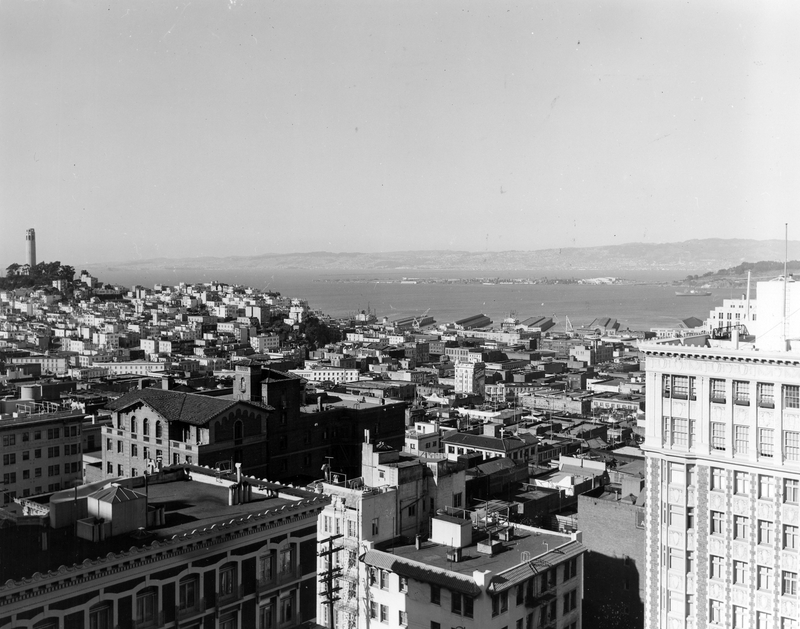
722 446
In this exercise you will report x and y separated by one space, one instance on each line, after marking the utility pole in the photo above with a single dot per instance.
329 578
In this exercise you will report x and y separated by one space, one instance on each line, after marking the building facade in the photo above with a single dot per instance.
722 451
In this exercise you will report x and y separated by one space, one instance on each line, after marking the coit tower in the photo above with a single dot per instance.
30 238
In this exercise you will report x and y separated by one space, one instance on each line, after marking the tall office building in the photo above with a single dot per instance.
30 240
722 451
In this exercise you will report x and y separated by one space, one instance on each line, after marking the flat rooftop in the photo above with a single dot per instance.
524 540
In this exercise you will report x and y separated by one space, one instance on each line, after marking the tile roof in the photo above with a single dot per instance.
522 572
421 572
190 408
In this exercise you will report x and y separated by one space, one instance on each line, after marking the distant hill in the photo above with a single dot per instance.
692 255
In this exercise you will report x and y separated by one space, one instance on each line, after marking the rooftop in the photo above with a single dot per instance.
536 542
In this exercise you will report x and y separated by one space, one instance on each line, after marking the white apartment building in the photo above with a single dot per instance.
470 378
323 374
265 342
723 474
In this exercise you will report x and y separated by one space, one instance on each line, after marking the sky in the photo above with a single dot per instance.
135 130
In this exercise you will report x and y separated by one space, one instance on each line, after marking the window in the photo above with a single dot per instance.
717 436
715 611
741 483
716 564
765 528
37 434
468 606
690 519
265 615
740 527
764 578
691 474
187 593
26 455
717 390
791 490
146 606
740 572
766 394
375 526
680 432
436 595
790 537
373 609
158 429
403 584
789 583
740 439
457 500
766 446
412 511
666 385
791 396
570 601
675 516
676 473
455 603
10 459
717 523
146 427
789 623
287 608
134 450
739 615
100 617
675 559
53 470
384 579
384 613
741 392
227 581
766 487
403 617
119 447
680 387
53 452
9 440
791 445
133 425
718 479
37 472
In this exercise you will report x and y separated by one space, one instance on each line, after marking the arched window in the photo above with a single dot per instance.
133 424
119 422
238 430
146 427
158 429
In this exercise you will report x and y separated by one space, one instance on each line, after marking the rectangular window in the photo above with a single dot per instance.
187 593
766 394
740 572
716 567
402 618
690 519
455 603
764 578
384 613
134 450
680 432
436 595
375 527
791 396
740 527
739 617
791 490
791 445
790 537
717 436
227 581
680 387
675 517
457 500
265 617
741 392
717 390
789 583
763 620
765 528
287 608
766 445
666 385
718 479
740 439
100 617
715 612
741 483
145 607
766 487
717 523
676 560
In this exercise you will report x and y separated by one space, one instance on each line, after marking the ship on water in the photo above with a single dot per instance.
692 293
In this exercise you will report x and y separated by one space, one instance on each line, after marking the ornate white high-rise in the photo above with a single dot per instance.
30 239
723 474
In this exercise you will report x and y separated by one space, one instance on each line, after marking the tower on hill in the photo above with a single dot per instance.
30 239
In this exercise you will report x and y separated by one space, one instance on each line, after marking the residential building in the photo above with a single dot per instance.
184 549
470 378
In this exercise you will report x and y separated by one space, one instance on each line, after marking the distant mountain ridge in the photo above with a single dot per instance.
708 254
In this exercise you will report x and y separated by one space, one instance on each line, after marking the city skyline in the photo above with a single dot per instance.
240 129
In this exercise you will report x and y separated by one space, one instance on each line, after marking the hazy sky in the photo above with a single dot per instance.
137 130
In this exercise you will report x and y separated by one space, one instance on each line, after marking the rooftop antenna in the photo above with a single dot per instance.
785 271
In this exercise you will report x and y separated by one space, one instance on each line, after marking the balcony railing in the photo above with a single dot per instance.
157 620
279 578
226 597
198 608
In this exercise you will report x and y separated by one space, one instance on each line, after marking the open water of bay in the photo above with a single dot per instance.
650 302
